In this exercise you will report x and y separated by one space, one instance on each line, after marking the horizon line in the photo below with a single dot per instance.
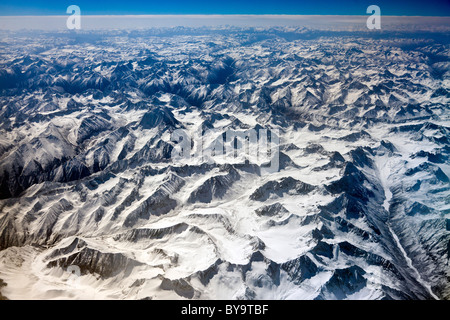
223 14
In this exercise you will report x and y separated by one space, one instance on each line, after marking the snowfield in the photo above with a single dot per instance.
359 208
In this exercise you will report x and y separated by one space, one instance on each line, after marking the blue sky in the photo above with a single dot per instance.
321 7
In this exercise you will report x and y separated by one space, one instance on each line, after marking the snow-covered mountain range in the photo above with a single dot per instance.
359 208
